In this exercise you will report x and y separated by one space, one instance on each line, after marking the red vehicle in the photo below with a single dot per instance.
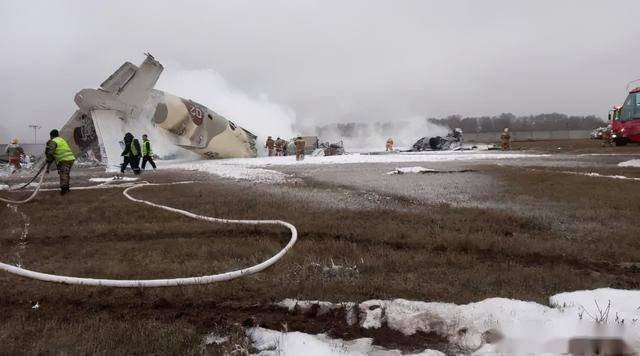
625 120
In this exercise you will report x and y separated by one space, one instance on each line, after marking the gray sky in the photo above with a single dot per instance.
328 61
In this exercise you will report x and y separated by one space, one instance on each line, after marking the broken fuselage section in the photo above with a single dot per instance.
127 102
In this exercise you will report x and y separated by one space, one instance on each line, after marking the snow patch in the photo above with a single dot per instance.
272 343
631 163
593 174
416 169
254 169
512 326
113 179
4 187
226 169
213 338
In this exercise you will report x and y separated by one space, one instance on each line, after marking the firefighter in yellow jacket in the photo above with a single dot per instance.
147 153
131 153
58 150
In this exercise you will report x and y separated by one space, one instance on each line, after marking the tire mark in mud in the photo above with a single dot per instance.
21 245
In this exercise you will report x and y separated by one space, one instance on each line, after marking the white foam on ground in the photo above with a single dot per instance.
253 168
416 169
4 187
113 179
276 343
522 327
598 175
631 163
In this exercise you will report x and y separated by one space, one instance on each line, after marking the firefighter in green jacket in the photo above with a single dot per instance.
58 150
147 153
131 154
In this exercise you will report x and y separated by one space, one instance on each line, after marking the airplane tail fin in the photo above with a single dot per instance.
132 84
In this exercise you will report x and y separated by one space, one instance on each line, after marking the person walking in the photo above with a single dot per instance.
270 144
279 144
58 150
15 152
299 143
505 139
131 154
147 153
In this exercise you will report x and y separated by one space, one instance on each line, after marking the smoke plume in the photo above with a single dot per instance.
258 115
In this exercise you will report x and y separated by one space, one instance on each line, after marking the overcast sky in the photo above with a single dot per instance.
328 61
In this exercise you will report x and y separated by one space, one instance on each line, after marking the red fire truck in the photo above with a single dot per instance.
625 120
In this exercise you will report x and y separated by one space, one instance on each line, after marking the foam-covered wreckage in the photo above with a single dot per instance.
330 149
127 102
453 141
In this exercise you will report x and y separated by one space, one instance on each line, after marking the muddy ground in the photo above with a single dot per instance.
524 229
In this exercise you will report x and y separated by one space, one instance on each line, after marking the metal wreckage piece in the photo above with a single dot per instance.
127 97
452 142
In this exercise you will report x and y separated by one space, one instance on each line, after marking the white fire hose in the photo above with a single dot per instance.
171 282
33 195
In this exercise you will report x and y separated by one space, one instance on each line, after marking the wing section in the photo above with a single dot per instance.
110 129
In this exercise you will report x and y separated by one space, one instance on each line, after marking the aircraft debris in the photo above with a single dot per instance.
453 141
329 149
127 101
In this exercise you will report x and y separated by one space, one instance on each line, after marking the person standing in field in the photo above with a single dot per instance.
58 150
279 144
131 154
389 145
505 139
270 144
147 153
299 143
15 152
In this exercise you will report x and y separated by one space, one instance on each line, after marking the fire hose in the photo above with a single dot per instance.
35 192
171 282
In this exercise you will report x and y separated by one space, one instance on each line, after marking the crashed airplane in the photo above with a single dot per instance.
127 102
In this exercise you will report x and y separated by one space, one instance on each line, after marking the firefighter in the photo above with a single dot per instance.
389 145
58 150
279 146
15 152
270 145
299 143
131 154
505 139
147 153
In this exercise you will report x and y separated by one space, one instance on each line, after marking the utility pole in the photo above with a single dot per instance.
35 132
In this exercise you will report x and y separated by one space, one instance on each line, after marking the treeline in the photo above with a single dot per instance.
540 122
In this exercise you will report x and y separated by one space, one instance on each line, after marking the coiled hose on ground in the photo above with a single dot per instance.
149 283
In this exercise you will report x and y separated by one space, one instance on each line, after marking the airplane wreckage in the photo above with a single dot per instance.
127 102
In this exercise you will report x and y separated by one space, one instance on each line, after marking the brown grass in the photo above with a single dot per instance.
558 237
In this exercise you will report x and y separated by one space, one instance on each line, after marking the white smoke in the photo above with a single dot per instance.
258 115
361 137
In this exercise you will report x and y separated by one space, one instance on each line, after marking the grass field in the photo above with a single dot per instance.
547 232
